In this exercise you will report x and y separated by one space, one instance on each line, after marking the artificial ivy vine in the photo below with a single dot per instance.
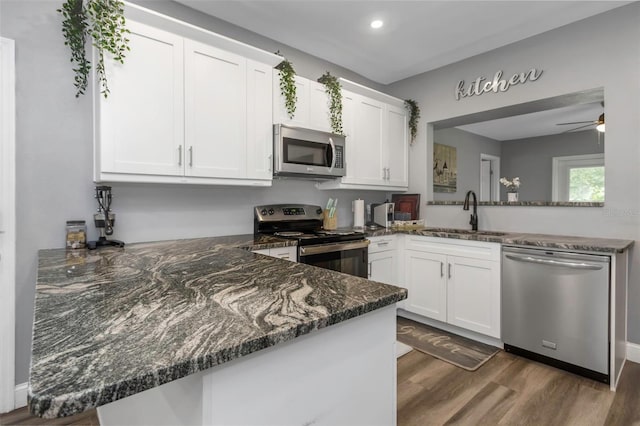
104 22
288 85
414 116
333 89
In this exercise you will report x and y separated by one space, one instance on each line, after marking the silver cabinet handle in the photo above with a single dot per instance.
179 155
270 162
284 256
449 270
383 243
369 270
572 265
191 156
441 269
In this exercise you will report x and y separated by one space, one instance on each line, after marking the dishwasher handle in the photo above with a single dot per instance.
572 265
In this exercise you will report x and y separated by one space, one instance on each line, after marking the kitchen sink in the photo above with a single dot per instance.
466 232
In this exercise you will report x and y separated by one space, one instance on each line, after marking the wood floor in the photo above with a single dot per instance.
507 390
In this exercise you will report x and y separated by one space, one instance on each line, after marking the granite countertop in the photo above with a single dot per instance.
117 321
603 245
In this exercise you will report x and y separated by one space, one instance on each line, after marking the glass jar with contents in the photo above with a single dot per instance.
76 234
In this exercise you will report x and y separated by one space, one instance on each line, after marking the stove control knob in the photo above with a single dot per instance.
263 212
318 211
271 211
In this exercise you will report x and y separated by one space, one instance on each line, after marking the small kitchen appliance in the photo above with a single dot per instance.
307 153
340 250
383 214
104 219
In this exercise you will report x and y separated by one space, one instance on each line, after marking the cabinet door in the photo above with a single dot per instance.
396 147
215 112
141 123
301 116
319 107
349 126
259 117
425 278
383 267
474 295
367 145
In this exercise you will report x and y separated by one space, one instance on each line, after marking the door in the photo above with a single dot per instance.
301 115
473 295
382 267
349 257
319 107
215 112
489 178
259 117
141 123
396 147
425 277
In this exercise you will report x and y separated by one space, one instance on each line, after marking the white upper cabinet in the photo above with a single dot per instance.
215 112
141 123
312 105
375 125
185 108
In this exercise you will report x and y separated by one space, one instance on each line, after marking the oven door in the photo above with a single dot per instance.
348 257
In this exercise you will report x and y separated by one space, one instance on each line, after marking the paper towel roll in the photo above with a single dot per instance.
358 213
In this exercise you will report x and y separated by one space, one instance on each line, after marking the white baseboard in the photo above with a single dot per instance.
633 352
20 395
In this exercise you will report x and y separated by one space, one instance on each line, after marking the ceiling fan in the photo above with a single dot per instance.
599 123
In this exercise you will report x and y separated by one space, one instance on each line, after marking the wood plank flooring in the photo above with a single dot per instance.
507 390
510 390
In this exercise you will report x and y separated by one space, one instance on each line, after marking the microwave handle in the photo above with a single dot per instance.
333 154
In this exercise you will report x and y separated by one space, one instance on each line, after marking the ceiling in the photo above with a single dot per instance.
540 123
417 36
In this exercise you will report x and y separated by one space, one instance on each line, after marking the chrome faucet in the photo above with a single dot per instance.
474 216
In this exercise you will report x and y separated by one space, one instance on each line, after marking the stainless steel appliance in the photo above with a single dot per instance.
555 309
104 219
383 214
307 153
343 251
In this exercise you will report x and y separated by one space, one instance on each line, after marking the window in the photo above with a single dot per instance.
578 178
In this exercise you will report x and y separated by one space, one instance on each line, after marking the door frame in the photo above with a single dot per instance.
7 224
494 180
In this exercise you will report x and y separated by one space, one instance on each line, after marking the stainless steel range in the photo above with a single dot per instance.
341 250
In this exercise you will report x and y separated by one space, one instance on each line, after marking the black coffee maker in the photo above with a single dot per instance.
104 220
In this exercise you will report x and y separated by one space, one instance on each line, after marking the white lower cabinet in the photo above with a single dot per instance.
383 260
454 281
286 253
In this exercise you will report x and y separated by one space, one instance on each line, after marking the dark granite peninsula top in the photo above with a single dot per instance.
116 321
603 245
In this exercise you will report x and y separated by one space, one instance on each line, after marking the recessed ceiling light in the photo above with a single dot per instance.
376 24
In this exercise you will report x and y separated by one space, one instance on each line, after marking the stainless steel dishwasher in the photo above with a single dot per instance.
555 309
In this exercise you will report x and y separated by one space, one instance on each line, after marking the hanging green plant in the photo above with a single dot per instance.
288 85
333 89
414 116
104 22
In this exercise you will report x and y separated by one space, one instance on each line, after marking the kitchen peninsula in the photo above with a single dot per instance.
203 331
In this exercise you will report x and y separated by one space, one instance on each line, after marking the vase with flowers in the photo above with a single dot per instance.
512 188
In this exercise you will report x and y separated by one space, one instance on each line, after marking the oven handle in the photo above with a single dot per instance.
330 248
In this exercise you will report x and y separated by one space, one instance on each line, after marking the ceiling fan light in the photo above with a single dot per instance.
600 126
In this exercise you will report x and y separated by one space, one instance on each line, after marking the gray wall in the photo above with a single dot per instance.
602 51
54 158
531 160
469 147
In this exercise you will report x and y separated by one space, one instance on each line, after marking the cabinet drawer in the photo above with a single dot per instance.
384 243
455 247
287 253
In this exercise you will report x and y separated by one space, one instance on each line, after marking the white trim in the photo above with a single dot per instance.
7 224
633 352
20 395
559 172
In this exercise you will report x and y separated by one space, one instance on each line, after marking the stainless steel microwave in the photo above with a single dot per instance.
307 153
